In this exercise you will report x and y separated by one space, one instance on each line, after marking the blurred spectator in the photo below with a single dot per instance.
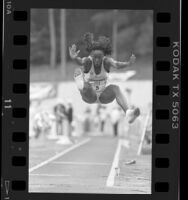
42 123
69 117
60 114
115 119
102 117
87 121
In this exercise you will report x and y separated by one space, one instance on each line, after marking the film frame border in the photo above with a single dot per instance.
166 97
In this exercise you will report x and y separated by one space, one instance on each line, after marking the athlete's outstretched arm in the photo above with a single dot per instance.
74 55
121 65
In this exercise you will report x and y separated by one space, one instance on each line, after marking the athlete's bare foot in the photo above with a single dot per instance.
78 77
133 114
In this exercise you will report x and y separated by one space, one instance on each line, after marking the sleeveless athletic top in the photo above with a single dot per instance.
95 74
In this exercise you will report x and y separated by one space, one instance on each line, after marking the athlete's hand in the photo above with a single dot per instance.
132 59
72 51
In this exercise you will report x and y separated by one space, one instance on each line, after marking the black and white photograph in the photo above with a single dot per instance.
91 97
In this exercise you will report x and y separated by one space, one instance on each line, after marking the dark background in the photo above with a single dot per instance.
54 30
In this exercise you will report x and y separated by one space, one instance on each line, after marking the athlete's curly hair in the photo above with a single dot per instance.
103 43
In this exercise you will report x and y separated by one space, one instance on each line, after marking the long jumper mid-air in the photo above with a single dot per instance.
92 76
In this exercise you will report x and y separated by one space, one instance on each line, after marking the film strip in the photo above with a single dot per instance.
166 97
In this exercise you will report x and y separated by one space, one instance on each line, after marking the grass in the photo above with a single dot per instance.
44 73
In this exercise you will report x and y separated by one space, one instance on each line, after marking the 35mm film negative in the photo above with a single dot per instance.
91 99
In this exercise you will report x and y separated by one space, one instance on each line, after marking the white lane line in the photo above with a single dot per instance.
58 155
143 133
79 163
112 174
49 175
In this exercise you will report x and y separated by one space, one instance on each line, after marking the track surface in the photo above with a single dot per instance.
84 169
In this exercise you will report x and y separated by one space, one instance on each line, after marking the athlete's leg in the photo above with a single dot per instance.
86 90
88 94
112 92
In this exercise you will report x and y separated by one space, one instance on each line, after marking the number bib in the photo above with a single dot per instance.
98 86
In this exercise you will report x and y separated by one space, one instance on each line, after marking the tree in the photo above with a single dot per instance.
52 38
114 33
63 41
132 31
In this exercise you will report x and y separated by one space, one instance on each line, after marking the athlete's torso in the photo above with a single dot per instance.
92 73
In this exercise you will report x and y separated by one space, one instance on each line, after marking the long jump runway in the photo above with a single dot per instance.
83 168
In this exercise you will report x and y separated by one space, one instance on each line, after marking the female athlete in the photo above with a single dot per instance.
92 76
